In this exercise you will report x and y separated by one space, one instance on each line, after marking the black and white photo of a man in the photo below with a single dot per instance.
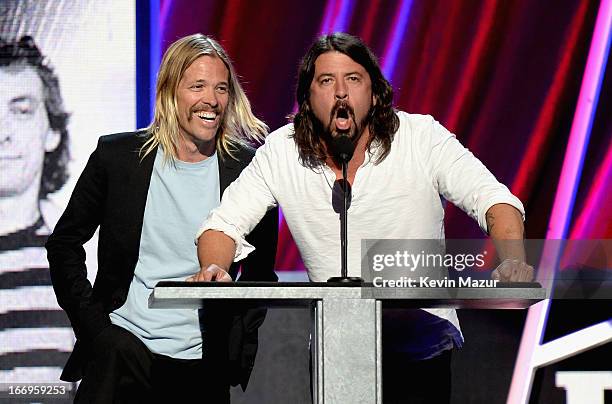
58 93
33 139
33 164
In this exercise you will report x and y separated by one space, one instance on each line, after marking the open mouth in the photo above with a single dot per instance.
206 116
342 119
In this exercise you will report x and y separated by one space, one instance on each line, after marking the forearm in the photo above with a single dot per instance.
73 290
259 264
215 247
505 227
66 254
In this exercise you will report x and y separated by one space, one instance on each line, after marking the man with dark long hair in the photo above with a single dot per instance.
401 165
35 333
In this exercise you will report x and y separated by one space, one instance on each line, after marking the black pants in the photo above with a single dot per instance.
123 370
427 381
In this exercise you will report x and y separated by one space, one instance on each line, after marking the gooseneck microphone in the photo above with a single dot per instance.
343 148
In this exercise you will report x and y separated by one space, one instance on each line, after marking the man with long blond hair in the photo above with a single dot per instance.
147 191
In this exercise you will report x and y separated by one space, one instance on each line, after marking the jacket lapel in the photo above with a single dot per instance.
229 170
138 188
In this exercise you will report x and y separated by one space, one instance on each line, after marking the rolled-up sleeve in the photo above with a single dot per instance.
244 203
461 178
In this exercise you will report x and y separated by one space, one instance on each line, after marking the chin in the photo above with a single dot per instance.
206 135
351 133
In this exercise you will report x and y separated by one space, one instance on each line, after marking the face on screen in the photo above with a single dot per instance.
202 96
24 130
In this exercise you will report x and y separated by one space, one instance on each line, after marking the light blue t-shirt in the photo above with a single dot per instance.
180 195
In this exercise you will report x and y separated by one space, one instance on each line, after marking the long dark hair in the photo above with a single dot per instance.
382 121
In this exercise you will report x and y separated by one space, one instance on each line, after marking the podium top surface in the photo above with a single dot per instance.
296 294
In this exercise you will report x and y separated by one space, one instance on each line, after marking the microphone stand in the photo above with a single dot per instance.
344 278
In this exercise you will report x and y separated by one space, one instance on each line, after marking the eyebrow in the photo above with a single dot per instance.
23 98
346 74
206 82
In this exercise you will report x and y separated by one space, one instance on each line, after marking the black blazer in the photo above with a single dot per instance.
111 194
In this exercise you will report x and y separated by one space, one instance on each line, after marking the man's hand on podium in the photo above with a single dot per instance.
513 270
211 273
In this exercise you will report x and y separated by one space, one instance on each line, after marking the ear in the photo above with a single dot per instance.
374 100
52 140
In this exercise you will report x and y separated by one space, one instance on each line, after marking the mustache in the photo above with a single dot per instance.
207 108
342 106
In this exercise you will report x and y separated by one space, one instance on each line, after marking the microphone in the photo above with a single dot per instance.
342 148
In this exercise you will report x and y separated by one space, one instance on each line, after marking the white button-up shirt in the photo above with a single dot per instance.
398 198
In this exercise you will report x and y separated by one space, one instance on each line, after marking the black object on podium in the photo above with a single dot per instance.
343 148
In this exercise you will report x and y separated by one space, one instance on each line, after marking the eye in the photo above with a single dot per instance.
354 79
325 80
197 86
222 89
23 106
22 110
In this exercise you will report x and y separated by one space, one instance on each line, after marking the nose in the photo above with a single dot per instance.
341 91
209 97
5 129
5 137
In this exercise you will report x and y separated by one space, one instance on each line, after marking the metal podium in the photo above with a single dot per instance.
346 318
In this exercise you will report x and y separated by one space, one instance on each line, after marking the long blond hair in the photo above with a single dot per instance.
240 127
